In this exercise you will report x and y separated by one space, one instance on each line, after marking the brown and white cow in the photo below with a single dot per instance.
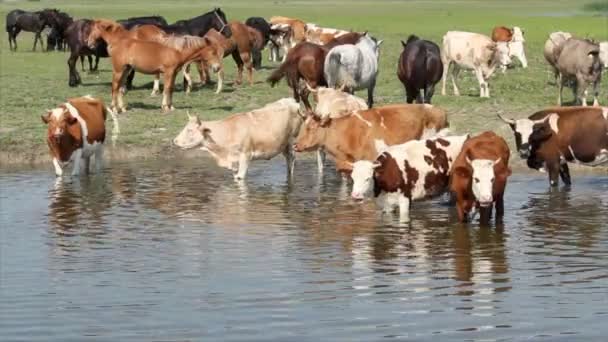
479 176
236 140
402 173
514 38
322 35
280 39
290 32
502 34
76 131
472 51
298 27
578 135
351 138
523 129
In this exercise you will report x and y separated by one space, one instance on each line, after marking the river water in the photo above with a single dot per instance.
177 251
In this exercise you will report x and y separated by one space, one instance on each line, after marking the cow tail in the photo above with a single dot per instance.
115 126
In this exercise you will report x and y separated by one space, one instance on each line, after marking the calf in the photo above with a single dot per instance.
479 176
472 51
76 130
578 62
236 140
351 138
402 173
577 135
419 69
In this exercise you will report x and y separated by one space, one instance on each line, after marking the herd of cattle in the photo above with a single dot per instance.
396 153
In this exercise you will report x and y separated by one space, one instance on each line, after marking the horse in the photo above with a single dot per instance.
166 56
263 27
354 66
198 26
419 69
211 56
132 22
305 61
76 36
18 20
59 22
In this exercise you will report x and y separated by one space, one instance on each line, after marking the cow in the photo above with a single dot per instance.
351 138
479 177
514 39
579 63
322 35
76 131
552 47
604 54
419 69
280 39
298 27
417 169
472 51
573 135
240 138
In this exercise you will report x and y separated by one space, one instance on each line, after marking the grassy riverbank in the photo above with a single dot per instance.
33 81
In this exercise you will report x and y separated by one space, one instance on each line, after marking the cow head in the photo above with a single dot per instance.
502 54
522 129
363 178
311 136
58 121
540 134
191 136
481 174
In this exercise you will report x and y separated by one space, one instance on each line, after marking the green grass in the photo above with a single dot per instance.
32 82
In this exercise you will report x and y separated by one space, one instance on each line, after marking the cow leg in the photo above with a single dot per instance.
483 85
553 168
404 209
290 159
187 79
156 86
564 173
455 72
560 84
98 159
596 92
444 77
239 64
76 157
243 166
320 159
87 165
485 214
58 169
499 204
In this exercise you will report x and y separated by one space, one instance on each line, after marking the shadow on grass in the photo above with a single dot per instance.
141 105
226 108
109 84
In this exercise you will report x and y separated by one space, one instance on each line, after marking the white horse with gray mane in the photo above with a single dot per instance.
354 67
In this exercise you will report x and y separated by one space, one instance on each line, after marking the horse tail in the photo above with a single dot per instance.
337 74
279 73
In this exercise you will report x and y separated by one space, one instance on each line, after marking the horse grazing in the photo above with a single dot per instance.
305 61
18 20
419 69
263 27
76 36
132 22
167 56
354 66
198 26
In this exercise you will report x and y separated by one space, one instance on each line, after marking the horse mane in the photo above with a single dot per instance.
412 38
182 42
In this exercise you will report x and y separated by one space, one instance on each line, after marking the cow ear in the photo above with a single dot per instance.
71 120
379 42
462 171
46 117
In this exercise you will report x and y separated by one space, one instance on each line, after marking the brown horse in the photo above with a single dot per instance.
242 54
212 57
305 61
167 56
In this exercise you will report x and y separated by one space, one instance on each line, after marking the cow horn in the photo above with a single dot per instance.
310 89
342 87
188 114
509 121
497 160
468 160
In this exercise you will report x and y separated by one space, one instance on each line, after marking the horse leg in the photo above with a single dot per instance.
167 104
187 79
82 63
73 73
96 62
246 58
429 90
156 87
128 85
370 94
90 60
10 38
220 80
116 77
239 63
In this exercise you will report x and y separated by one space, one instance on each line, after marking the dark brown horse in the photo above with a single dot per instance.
19 20
305 61
76 36
419 69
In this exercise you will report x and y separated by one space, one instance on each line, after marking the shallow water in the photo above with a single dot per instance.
180 252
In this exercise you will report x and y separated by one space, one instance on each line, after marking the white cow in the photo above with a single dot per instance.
236 140
472 51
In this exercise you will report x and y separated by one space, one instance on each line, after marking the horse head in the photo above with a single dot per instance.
101 28
220 23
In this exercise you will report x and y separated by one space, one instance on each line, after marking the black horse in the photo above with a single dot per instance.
59 21
263 26
19 20
132 22
76 36
197 26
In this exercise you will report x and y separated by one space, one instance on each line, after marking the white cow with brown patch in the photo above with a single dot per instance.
76 131
402 173
322 35
240 138
472 51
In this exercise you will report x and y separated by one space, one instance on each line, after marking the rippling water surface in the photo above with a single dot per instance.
180 252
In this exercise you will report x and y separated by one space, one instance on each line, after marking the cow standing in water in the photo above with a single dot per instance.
479 177
419 69
76 131
402 173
